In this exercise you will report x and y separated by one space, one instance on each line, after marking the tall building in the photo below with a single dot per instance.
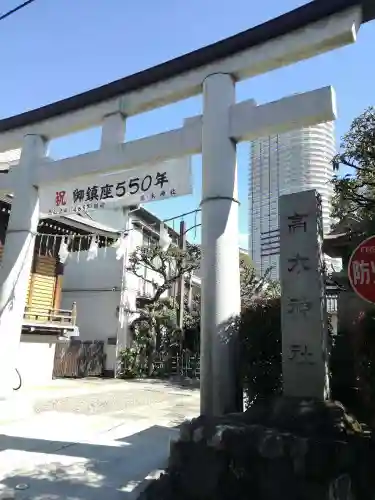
283 164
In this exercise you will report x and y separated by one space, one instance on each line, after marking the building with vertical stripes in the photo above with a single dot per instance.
282 164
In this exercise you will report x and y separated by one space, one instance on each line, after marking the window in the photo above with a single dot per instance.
148 240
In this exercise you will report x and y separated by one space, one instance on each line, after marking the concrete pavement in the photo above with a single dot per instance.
92 439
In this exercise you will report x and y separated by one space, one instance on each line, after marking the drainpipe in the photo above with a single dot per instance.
122 327
181 281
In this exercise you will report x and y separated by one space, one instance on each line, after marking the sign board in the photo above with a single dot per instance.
130 187
361 270
304 323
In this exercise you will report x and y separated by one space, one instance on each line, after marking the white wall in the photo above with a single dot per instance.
35 362
110 357
95 286
111 218
102 272
97 317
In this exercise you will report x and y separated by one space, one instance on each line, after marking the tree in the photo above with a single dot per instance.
354 194
192 322
252 289
253 286
353 353
158 312
167 267
260 341
259 334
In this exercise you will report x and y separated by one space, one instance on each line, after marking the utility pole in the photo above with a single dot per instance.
122 332
122 320
181 281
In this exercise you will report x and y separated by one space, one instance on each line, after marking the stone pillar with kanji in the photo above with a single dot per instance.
303 303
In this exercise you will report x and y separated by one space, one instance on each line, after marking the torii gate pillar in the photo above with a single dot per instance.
220 254
17 258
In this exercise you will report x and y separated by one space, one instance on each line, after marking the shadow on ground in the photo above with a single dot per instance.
108 470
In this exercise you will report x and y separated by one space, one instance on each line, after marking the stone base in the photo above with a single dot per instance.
281 448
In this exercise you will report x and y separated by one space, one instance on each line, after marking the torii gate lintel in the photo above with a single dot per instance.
247 121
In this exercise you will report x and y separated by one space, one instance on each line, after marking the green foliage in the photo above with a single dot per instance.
254 286
365 365
129 366
155 328
246 259
353 367
155 332
261 348
354 194
167 267
132 361
138 361
260 341
192 312
259 334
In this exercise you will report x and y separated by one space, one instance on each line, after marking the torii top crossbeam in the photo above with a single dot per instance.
319 26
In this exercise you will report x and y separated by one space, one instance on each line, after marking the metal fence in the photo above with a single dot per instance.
184 364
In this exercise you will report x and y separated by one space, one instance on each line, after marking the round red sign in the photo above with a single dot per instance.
361 270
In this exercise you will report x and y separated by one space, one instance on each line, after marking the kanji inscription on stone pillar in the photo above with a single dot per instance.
303 302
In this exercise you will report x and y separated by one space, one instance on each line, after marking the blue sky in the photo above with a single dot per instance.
56 48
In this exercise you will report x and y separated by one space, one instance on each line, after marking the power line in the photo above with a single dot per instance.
16 9
182 215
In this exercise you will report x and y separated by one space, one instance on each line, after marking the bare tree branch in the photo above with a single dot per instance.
168 266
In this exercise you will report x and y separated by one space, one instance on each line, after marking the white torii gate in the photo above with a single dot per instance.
214 134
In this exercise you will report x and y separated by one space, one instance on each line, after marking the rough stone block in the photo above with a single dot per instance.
279 448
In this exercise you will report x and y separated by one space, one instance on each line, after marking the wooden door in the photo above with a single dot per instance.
43 284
